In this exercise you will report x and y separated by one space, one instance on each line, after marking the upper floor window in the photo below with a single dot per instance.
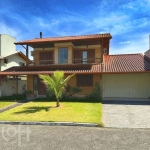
84 57
62 55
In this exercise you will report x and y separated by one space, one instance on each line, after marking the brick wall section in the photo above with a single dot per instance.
30 82
70 54
36 57
85 90
56 55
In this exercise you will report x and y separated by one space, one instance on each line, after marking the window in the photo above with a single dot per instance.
62 55
84 80
84 57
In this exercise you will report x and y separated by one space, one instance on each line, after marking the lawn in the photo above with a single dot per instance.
46 111
4 103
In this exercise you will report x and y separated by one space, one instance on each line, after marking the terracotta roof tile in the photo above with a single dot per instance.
126 63
65 38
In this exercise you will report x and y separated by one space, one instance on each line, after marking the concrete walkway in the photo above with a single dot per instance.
14 105
126 114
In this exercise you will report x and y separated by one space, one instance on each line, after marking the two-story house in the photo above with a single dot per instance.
73 54
123 76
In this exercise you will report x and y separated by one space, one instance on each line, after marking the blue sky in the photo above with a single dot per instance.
128 21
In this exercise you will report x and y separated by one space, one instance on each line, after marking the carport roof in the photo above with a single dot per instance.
124 63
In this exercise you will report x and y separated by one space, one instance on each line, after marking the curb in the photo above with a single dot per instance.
51 123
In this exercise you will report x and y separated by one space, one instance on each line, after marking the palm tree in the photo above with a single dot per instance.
56 83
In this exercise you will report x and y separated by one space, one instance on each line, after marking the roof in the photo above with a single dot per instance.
125 63
15 53
65 38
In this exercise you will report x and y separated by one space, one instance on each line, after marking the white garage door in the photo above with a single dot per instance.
126 85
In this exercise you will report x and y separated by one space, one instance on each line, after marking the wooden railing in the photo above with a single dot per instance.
74 61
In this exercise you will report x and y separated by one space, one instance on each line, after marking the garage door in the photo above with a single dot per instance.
126 85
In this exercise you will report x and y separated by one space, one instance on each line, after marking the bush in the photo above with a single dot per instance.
76 90
95 94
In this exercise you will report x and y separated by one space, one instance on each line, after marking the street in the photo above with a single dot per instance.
36 137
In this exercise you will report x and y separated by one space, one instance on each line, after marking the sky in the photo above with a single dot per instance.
128 21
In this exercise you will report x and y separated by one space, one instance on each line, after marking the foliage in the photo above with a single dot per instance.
56 83
13 97
76 90
26 92
95 94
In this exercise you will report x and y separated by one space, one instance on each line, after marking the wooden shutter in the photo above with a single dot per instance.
91 56
77 56
46 56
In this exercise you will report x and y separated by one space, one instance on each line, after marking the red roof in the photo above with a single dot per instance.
125 63
65 38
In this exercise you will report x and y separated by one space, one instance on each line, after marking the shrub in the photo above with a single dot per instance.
76 90
95 94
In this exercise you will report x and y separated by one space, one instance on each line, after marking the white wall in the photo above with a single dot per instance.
12 61
7 44
7 87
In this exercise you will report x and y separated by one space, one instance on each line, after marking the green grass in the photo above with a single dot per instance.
4 103
46 111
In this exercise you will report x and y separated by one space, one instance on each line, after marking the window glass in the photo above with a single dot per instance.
62 55
84 57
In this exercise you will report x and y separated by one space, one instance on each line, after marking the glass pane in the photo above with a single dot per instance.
84 57
62 55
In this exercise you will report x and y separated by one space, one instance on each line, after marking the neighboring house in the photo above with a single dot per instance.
124 76
9 57
147 53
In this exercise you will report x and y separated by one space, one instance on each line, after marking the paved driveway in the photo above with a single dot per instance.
126 114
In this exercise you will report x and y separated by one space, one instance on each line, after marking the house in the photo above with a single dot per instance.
123 76
9 57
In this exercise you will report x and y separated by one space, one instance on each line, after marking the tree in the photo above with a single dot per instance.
56 83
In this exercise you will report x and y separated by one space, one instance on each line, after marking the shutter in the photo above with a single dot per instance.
91 56
78 56
46 56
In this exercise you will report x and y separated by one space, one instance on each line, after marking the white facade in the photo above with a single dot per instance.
126 86
7 45
13 60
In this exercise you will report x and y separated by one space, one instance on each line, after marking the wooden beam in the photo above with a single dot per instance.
27 55
16 84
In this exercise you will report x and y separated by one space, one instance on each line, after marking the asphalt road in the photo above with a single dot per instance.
23 137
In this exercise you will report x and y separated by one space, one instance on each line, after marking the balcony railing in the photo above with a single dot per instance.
86 60
74 61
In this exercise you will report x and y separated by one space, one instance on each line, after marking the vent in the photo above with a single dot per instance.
5 60
21 64
32 53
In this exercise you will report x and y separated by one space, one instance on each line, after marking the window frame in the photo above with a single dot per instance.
62 49
84 80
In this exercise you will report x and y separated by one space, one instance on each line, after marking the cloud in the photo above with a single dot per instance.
5 29
138 45
125 42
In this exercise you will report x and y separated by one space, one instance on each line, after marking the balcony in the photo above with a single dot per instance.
65 61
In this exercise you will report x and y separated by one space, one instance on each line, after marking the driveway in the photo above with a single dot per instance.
126 114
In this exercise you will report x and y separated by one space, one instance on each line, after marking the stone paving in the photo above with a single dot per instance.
126 115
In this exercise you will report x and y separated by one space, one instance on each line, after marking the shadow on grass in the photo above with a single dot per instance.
28 110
